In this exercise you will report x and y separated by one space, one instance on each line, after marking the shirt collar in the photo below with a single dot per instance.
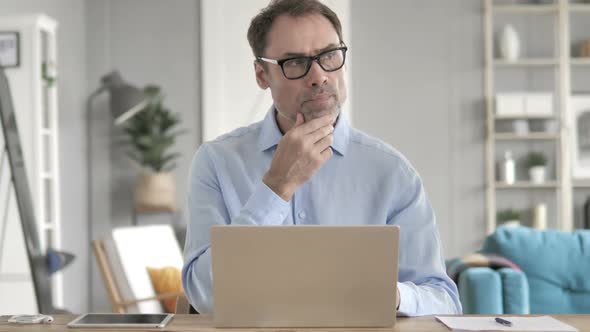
270 134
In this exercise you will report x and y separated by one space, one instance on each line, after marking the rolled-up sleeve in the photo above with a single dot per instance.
424 286
206 207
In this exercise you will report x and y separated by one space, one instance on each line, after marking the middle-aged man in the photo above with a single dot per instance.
304 165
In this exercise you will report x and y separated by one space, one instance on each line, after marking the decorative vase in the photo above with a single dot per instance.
550 126
509 43
520 127
155 192
508 169
537 174
540 216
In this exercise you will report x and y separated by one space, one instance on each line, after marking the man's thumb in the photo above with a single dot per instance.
299 120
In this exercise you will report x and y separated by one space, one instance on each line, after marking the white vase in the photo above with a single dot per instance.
520 127
537 174
509 43
540 216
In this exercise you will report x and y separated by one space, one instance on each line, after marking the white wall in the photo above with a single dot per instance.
418 85
148 41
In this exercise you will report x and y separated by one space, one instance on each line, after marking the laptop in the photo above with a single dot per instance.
304 276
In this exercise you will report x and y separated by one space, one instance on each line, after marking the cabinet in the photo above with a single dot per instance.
34 93
546 65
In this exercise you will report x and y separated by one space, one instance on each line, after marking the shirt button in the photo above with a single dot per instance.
302 215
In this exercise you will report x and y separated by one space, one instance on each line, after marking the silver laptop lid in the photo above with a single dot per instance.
304 276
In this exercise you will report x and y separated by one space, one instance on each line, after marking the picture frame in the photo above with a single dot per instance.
579 122
9 49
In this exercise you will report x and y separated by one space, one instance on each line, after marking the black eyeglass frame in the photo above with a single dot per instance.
310 60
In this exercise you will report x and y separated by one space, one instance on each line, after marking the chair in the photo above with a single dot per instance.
554 279
123 259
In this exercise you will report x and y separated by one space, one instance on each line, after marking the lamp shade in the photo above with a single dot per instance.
126 100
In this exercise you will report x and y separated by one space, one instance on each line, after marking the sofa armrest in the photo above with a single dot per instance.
480 291
486 291
515 292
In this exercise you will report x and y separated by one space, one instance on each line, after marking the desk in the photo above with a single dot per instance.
198 323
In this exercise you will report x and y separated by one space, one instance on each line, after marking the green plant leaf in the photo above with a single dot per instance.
152 132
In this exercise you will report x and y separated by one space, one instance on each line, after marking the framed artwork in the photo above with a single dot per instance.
9 49
579 122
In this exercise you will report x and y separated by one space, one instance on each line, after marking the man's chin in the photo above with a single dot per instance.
310 115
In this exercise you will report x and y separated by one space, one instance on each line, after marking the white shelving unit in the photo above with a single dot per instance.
36 107
561 64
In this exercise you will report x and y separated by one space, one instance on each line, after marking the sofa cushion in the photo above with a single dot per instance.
166 280
556 263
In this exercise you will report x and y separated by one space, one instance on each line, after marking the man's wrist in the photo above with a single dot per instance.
281 188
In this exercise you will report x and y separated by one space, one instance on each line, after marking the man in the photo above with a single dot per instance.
304 164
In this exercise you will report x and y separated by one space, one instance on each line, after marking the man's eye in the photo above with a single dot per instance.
329 55
296 62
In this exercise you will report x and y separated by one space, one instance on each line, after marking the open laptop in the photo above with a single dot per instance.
304 276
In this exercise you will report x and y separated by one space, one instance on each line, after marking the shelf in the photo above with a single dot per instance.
526 117
527 137
580 61
538 62
579 8
526 9
527 185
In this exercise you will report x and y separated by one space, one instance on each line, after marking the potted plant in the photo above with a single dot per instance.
151 135
536 163
508 217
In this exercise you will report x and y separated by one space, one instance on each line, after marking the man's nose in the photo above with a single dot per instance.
316 76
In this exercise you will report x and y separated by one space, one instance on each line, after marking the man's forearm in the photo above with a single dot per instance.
428 298
197 284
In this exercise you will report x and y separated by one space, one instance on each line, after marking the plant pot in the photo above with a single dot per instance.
155 192
510 223
537 174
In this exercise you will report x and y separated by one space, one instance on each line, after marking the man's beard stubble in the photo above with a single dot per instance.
309 114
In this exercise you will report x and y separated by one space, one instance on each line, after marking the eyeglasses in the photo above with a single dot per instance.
297 67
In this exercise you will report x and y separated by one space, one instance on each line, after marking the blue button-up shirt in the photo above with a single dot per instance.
366 182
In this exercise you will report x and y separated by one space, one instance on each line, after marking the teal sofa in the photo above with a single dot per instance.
555 275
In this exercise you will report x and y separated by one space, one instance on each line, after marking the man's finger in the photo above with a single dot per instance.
315 124
317 135
299 120
324 143
327 154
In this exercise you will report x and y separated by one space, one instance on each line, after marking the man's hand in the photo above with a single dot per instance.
300 153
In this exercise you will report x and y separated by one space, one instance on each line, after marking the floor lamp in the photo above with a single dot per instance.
125 101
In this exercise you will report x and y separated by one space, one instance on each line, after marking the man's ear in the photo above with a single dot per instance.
261 76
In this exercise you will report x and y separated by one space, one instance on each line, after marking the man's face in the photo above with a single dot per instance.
319 92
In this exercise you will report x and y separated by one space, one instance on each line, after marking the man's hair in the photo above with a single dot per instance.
262 23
